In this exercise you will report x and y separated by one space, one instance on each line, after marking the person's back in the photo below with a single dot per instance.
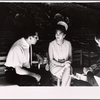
21 49
17 62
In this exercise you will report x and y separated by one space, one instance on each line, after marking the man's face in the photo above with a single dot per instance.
97 41
34 39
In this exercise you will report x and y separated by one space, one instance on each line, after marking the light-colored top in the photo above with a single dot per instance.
60 51
18 54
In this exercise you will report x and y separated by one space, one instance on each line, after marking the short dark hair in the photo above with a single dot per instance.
60 27
26 33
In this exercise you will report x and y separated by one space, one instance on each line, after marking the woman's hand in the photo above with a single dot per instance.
66 63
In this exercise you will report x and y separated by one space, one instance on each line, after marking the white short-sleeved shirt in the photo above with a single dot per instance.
18 55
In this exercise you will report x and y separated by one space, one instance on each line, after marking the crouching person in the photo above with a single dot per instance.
17 62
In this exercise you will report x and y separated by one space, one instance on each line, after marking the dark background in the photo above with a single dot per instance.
84 18
83 21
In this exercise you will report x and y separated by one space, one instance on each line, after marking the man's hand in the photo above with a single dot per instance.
93 66
38 77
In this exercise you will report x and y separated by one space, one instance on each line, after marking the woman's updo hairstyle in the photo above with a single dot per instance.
61 28
61 25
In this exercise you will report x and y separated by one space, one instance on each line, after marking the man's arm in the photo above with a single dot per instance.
22 71
39 58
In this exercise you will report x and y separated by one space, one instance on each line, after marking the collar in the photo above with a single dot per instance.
25 44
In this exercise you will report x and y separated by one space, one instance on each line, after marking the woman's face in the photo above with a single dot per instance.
59 35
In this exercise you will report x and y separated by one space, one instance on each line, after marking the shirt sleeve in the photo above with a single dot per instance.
17 57
14 57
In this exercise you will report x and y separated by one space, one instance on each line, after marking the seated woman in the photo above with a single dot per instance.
60 54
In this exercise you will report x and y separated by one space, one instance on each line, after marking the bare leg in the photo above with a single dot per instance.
66 77
69 81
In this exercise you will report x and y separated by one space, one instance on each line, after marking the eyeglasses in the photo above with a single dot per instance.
36 37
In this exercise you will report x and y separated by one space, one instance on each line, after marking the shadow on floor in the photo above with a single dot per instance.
3 81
